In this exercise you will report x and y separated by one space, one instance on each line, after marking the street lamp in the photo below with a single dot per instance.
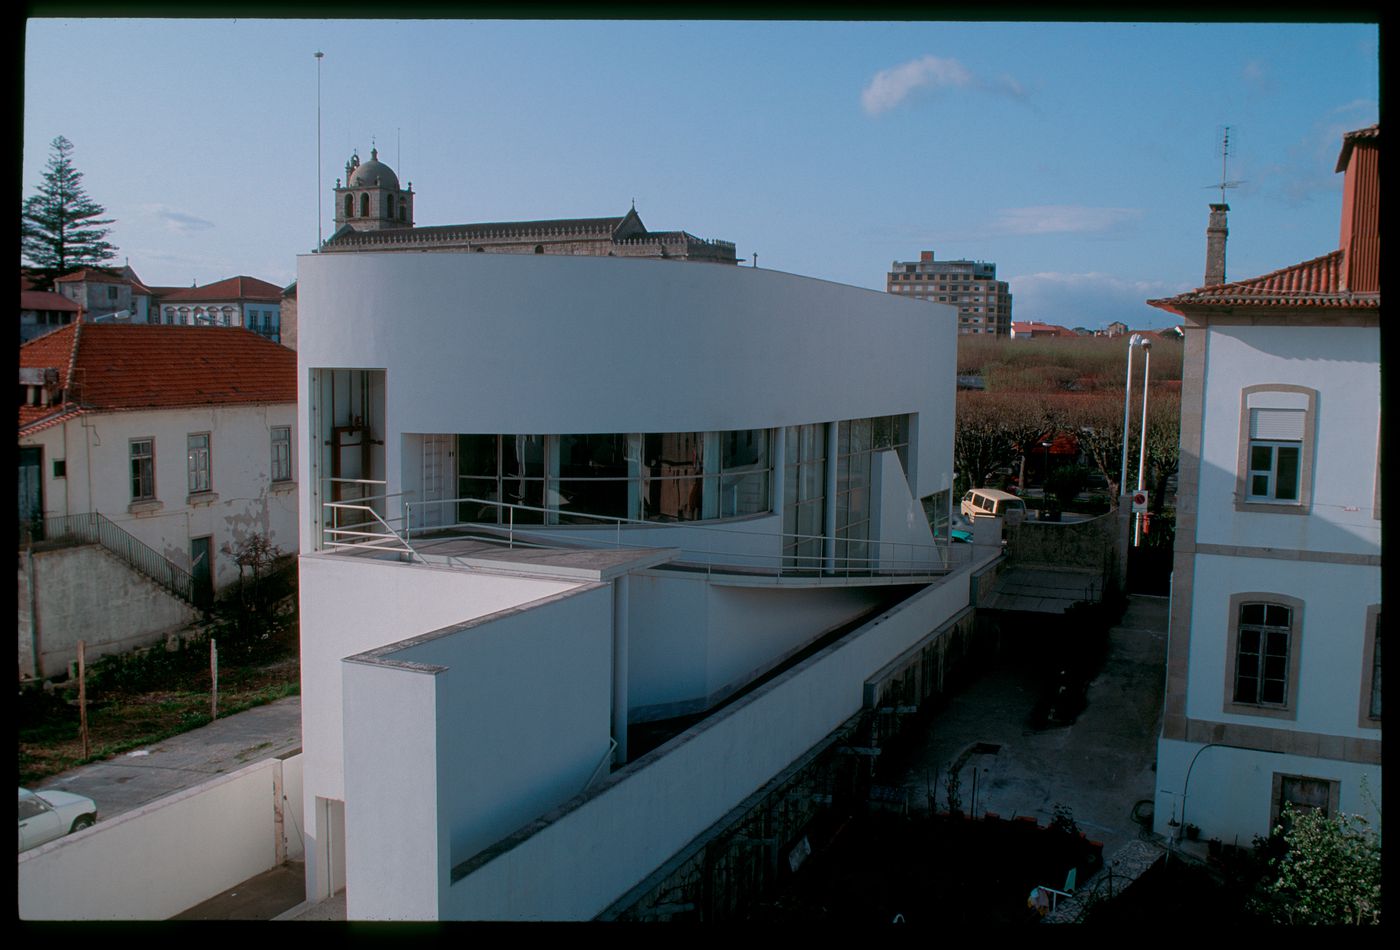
1142 450
1045 483
1135 340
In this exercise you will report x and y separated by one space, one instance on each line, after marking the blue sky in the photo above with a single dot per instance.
1076 156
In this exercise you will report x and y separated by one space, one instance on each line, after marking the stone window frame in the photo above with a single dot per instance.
1289 708
1305 461
1334 795
1368 668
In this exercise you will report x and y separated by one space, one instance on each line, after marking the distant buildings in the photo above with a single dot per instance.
983 302
1032 330
235 302
372 213
101 295
1274 663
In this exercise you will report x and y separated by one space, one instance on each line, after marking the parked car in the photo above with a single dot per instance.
44 816
989 501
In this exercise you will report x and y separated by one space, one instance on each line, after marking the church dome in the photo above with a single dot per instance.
372 174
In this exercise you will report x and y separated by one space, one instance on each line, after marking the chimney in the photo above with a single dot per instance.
925 255
1216 232
1361 220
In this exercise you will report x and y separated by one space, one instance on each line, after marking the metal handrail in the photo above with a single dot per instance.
334 535
95 528
937 556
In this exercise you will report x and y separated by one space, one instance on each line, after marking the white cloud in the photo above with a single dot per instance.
178 221
1062 219
1256 74
890 87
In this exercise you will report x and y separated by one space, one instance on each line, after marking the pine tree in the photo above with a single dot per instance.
61 228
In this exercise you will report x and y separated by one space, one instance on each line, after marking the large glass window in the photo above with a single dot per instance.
744 468
670 476
672 466
804 495
592 478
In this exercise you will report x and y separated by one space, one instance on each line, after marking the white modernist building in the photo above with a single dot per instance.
546 498
1274 661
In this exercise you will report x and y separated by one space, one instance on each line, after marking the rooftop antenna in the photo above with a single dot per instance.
398 149
318 54
1224 158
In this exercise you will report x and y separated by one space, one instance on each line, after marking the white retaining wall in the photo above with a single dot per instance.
166 857
576 862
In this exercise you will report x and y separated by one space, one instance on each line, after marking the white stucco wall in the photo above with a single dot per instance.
244 501
594 850
1333 661
351 605
1343 365
1231 793
163 858
464 735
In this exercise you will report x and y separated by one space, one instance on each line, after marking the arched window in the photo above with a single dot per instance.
402 216
349 206
539 248
388 206
364 205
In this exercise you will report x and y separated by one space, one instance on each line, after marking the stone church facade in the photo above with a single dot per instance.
372 213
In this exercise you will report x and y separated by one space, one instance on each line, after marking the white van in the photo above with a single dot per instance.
990 501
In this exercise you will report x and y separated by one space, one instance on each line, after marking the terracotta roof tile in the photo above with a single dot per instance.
149 366
232 288
45 300
1311 284
93 274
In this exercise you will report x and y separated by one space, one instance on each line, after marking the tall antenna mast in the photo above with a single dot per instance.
1224 158
318 55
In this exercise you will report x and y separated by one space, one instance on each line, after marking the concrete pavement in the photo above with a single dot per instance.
1099 767
141 776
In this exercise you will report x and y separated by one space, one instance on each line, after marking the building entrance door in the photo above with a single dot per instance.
31 491
202 570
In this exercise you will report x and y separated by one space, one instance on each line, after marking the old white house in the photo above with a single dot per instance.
181 439
1274 664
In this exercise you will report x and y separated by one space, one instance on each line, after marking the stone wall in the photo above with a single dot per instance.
1082 544
86 593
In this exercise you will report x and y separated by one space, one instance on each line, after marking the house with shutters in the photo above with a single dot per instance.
1273 690
166 446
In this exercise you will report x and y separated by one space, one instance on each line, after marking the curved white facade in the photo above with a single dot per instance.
492 343
410 361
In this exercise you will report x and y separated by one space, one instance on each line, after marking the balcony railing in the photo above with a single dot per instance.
362 522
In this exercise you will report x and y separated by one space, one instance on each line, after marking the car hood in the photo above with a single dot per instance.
66 801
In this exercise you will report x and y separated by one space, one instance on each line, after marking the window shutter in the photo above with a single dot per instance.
1276 424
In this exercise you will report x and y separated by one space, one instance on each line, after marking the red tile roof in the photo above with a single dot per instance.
233 288
45 300
1311 284
108 366
94 274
